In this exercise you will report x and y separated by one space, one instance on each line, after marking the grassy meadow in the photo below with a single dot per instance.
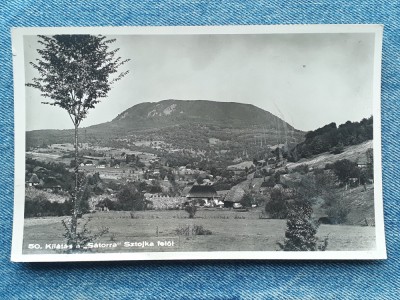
230 230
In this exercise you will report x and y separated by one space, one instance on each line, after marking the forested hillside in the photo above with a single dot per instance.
333 138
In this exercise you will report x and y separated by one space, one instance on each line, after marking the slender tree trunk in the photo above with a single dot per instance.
74 219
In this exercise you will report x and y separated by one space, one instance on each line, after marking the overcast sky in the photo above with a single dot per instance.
307 79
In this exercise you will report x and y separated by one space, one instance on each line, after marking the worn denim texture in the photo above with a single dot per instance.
205 279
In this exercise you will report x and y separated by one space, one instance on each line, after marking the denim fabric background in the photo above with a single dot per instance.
204 279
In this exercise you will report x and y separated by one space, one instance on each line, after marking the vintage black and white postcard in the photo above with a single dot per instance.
231 142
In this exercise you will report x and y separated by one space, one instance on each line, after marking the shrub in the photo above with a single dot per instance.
301 231
345 169
247 200
106 202
199 230
260 200
276 209
82 237
318 172
130 199
270 182
113 237
276 195
277 177
302 169
337 149
185 230
196 230
337 212
191 210
237 217
277 206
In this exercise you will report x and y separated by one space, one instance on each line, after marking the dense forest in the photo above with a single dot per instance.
333 138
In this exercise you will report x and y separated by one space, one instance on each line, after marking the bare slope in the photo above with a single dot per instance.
354 153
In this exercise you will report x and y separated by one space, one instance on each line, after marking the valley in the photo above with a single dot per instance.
235 164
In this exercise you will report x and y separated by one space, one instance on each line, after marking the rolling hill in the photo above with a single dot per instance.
184 124
182 112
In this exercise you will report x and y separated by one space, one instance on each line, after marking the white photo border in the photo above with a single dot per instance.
19 122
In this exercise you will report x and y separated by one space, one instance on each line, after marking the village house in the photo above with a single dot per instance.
240 168
89 163
207 181
186 190
234 197
51 185
33 181
101 165
202 195
222 194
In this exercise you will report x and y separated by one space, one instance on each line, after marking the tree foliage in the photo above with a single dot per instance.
301 230
345 169
40 206
129 198
333 138
75 70
191 209
247 200
277 207
337 212
75 73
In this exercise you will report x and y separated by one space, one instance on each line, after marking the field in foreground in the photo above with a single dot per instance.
230 231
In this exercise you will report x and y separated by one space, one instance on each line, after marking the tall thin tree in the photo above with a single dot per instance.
75 72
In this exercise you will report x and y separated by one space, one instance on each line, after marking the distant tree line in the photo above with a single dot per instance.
40 206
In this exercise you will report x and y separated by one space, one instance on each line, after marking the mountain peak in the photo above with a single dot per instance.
170 111
195 122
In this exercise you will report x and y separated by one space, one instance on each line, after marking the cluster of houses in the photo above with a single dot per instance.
207 196
50 184
182 173
199 183
203 194
198 195
99 164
